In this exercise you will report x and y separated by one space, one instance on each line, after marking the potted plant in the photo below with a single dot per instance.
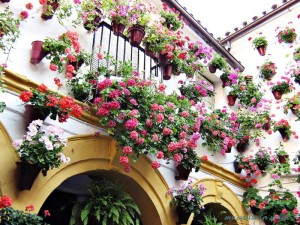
267 70
217 62
188 199
284 129
39 150
252 199
49 7
251 96
9 30
280 88
283 156
9 215
261 44
237 163
296 54
196 90
209 219
106 203
287 35
170 18
293 104
42 102
117 13
262 158
296 74
199 50
152 40
233 94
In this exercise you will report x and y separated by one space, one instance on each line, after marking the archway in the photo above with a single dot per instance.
89 154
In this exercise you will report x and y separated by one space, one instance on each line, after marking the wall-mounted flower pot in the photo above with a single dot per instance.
183 216
261 50
228 150
5 1
149 53
231 99
136 34
167 71
277 95
95 24
241 147
53 5
76 65
37 52
248 78
28 173
237 169
183 173
224 82
32 113
267 125
273 67
254 210
284 134
262 167
283 158
294 110
212 68
118 28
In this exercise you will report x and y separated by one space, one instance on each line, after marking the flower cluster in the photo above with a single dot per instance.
188 197
42 147
282 86
9 215
49 102
267 70
141 117
293 103
287 35
171 18
284 126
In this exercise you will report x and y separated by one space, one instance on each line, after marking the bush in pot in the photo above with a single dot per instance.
218 62
252 199
171 18
280 88
260 43
287 35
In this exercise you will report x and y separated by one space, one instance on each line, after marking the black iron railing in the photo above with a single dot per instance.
119 48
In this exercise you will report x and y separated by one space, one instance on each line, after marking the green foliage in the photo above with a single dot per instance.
114 6
287 35
106 204
219 62
251 197
260 42
267 70
282 87
171 19
296 54
251 95
210 219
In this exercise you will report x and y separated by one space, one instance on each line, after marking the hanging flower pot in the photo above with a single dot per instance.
95 24
167 70
237 169
277 94
231 99
262 167
294 110
261 50
136 34
183 173
248 78
224 82
32 113
28 173
50 4
212 68
76 65
283 158
273 68
183 216
267 125
284 134
241 147
37 52
228 150
254 210
149 53
118 28
162 59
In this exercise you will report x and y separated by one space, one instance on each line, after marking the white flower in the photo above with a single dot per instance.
49 145
32 130
55 130
17 143
64 159
37 122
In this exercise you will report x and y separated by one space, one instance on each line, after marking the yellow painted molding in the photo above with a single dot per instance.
222 173
19 83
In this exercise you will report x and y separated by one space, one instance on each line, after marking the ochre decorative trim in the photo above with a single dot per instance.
19 83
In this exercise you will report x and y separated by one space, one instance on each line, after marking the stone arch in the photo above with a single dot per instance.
88 153
220 194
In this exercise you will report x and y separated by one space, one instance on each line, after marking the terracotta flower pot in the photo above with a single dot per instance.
183 216
267 125
117 28
32 113
212 68
37 52
284 135
294 111
231 99
224 82
136 34
241 147
237 169
261 50
277 95
248 78
167 70
183 173
28 173
283 158
53 4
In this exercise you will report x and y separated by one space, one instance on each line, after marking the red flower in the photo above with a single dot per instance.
76 110
26 96
160 155
124 160
24 15
57 82
250 38
298 16
46 213
5 201
52 100
29 208
53 67
155 165
43 2
127 150
204 158
29 6
42 88
66 102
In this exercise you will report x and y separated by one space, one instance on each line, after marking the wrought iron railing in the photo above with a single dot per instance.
119 48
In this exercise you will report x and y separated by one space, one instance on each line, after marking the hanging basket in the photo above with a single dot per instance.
284 135
283 158
224 82
183 216
136 34
28 173
32 113
118 28
37 52
183 173
212 68
231 99
261 50
277 95
53 4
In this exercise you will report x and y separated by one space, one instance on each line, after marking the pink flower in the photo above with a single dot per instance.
29 6
177 158
160 117
131 124
53 67
127 150
284 211
24 15
149 123
160 155
155 165
112 123
134 135
140 141
295 211
155 137
161 87
185 114
124 160
100 56
70 68
167 131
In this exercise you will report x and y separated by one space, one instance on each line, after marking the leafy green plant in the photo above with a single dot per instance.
283 87
287 35
106 204
284 125
171 18
251 197
296 54
251 96
293 103
262 158
196 90
267 70
219 62
116 11
210 219
260 42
